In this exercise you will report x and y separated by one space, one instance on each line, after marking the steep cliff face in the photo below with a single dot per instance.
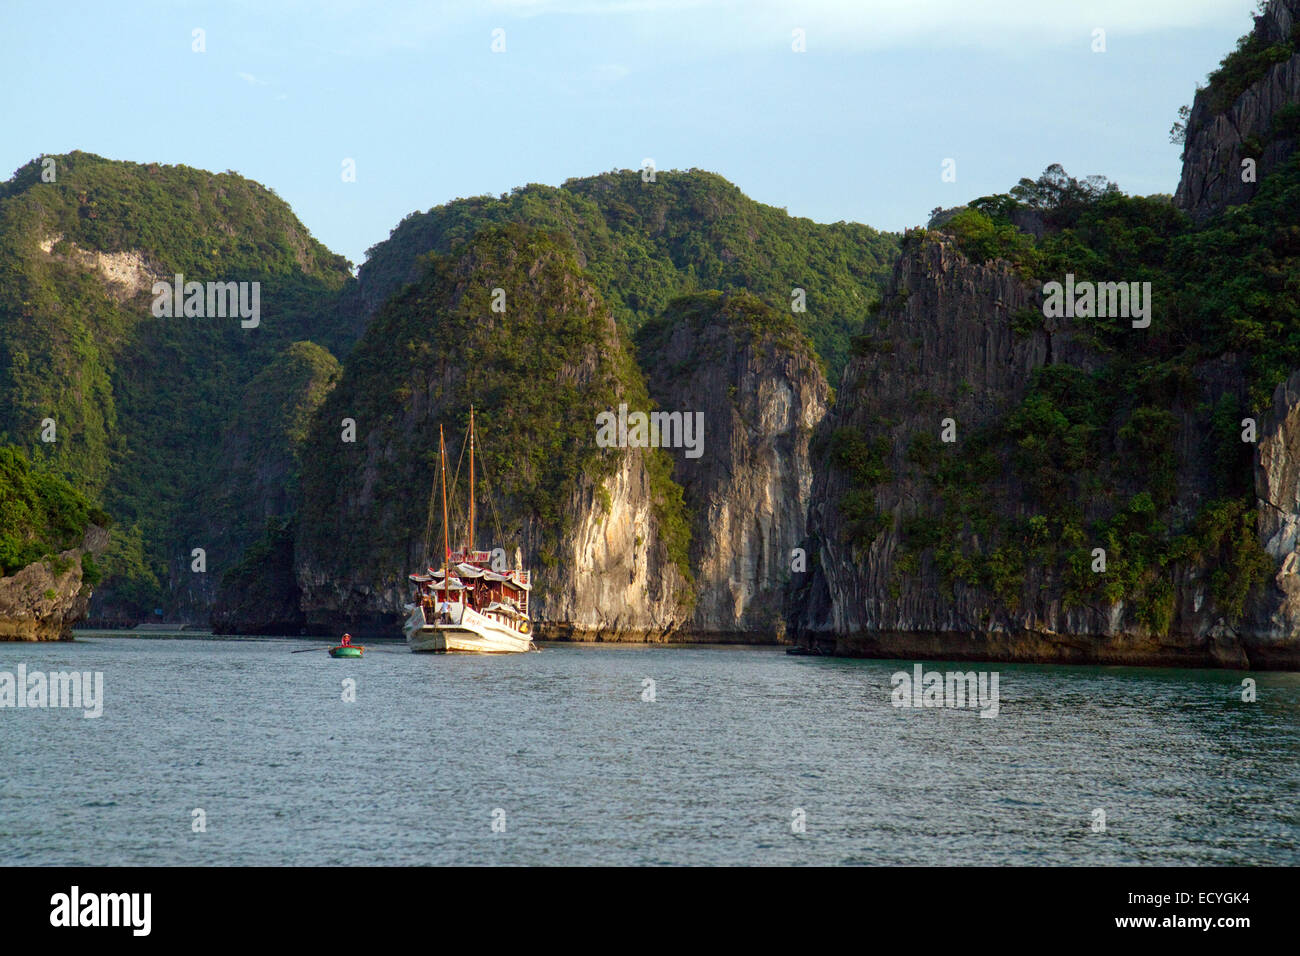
511 326
44 600
942 347
261 446
612 580
1243 113
943 549
1277 487
752 381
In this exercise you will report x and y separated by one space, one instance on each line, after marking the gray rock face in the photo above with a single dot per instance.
1218 141
748 492
944 347
614 582
1277 490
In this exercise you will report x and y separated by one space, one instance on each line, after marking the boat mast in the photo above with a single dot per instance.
471 483
446 547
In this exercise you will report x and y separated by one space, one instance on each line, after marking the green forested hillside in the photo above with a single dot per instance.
646 243
537 374
187 430
140 403
261 449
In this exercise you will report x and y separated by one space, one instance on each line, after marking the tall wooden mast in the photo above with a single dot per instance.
446 546
471 483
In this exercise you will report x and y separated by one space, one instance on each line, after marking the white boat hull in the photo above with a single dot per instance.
467 632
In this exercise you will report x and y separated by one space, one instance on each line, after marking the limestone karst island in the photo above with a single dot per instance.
1059 423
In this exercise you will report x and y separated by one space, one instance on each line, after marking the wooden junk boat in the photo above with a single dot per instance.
473 603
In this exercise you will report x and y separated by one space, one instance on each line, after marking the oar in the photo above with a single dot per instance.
308 649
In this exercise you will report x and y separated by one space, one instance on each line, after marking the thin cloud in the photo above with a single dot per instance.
610 72
711 27
872 24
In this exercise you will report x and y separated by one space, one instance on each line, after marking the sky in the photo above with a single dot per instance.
855 127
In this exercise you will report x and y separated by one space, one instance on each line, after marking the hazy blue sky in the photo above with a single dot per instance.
855 128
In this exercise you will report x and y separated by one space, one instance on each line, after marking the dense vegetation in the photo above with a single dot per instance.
739 313
40 515
262 451
644 244
140 403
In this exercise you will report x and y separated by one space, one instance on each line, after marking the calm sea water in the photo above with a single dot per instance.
561 748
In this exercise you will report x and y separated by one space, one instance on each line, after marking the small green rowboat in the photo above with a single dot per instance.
347 650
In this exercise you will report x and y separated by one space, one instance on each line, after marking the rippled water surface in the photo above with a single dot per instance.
562 748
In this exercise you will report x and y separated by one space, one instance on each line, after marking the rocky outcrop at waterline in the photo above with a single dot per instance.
45 599
612 580
257 488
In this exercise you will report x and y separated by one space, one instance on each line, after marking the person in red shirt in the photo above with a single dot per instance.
347 640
